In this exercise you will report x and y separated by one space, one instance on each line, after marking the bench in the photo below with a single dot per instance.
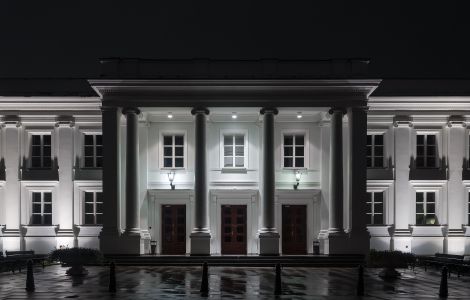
16 259
454 263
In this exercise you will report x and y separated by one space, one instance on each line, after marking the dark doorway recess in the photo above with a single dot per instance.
233 229
294 229
174 229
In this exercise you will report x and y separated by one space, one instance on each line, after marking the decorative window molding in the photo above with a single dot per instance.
176 156
437 187
41 202
40 147
385 187
376 149
295 149
233 148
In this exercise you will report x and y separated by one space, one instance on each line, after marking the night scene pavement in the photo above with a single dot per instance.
228 283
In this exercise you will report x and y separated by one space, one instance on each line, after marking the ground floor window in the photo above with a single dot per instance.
41 208
426 208
93 208
375 208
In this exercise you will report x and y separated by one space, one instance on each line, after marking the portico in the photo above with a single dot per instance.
341 186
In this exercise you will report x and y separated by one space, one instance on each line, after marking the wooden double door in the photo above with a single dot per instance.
233 231
174 229
294 229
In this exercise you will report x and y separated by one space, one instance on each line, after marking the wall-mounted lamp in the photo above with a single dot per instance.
171 177
170 115
299 115
297 179
234 115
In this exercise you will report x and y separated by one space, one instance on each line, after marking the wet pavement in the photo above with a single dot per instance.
228 283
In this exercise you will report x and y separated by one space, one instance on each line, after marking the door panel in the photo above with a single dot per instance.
233 231
294 229
173 229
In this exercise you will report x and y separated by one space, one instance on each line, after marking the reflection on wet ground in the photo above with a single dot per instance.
225 282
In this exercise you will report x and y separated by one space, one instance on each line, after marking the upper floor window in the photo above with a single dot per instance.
375 208
93 151
41 208
173 151
426 151
293 151
234 151
41 151
375 151
93 208
425 208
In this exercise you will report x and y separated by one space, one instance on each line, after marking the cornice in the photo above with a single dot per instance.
50 104
420 104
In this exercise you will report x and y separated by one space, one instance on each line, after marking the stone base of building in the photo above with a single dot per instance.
332 244
132 244
359 243
269 243
200 243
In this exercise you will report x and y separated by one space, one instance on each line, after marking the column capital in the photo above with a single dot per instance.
271 110
335 109
199 110
130 110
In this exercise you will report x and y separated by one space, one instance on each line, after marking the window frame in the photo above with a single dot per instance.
439 149
233 132
82 145
161 155
373 156
30 132
42 203
305 133
372 213
425 204
84 213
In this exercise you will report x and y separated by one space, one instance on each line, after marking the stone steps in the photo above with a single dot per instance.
254 261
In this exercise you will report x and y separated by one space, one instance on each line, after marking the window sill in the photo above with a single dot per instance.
294 168
234 170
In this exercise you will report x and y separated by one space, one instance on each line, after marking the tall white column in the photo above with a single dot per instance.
268 235
109 236
200 236
359 236
131 238
65 160
335 241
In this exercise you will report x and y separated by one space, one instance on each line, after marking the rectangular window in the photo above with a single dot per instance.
93 151
173 151
426 151
468 210
375 151
294 151
41 208
375 208
93 208
41 151
234 151
426 208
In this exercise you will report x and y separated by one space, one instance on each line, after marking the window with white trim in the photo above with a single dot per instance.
293 151
41 151
173 151
41 208
93 151
426 208
375 208
93 208
234 151
426 151
468 208
375 150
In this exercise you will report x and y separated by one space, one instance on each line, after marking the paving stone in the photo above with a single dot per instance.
228 283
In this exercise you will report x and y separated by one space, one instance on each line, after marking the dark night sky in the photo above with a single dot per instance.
66 38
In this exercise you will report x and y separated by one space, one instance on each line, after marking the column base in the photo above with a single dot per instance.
200 243
131 244
109 243
359 242
334 243
269 243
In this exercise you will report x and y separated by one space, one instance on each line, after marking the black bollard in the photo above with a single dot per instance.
205 281
443 292
360 281
30 277
278 287
112 277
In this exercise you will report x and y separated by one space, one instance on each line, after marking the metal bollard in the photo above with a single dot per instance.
205 281
30 277
278 284
443 291
112 278
360 281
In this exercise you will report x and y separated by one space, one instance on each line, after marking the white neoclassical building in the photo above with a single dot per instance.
270 159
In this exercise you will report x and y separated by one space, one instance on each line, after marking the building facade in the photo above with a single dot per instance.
235 166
